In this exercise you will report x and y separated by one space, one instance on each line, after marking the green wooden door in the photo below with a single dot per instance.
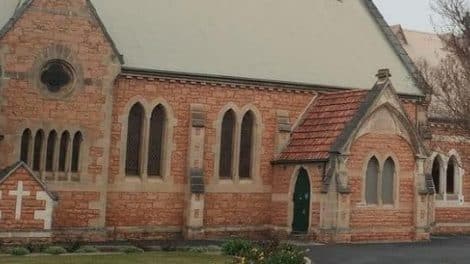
301 203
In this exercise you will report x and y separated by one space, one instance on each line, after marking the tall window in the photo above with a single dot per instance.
156 139
246 145
451 170
372 177
134 140
76 146
388 181
64 145
436 174
226 145
25 142
51 142
38 142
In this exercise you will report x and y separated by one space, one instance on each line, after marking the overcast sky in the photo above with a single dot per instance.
412 14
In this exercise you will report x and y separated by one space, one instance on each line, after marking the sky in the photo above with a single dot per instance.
411 14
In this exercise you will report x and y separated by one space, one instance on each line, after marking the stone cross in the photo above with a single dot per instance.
19 193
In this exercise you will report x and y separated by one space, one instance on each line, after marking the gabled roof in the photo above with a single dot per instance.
7 172
321 125
333 120
324 43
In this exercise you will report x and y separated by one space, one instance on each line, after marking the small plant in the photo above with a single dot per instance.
169 245
287 254
198 249
87 249
236 247
72 245
55 250
19 251
131 250
35 248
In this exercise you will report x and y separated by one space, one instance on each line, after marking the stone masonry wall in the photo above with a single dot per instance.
65 30
244 206
29 203
452 217
369 223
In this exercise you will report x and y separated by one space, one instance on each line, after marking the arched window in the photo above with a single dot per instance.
451 177
25 142
76 146
372 177
388 181
38 142
246 145
226 145
436 174
156 141
64 145
134 140
51 142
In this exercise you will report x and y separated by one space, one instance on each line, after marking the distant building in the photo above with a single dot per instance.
450 146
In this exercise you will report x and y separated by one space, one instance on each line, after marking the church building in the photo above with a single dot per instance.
206 119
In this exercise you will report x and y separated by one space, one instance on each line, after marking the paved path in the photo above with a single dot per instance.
441 250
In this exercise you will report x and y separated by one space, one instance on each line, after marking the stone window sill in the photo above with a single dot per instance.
376 206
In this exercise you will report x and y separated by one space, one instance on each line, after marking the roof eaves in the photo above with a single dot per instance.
304 161
395 43
105 32
16 16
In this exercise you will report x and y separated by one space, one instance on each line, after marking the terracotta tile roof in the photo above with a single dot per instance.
321 125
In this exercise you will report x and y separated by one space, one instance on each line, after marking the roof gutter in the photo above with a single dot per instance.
244 81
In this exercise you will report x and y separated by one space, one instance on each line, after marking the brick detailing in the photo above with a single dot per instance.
386 219
29 203
145 209
233 209
74 209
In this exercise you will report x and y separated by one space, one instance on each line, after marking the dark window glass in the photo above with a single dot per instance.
388 181
246 146
25 142
156 137
51 142
436 175
134 140
38 142
64 145
451 176
226 145
56 75
372 176
76 146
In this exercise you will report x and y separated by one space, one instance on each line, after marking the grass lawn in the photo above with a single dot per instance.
145 258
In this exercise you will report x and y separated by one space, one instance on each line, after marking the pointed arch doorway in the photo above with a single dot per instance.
301 199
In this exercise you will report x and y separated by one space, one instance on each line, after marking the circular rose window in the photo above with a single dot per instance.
56 76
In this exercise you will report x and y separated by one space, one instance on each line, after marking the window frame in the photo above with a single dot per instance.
396 181
443 198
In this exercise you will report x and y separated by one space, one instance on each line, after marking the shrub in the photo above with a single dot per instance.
19 251
236 247
131 250
269 252
169 245
87 249
36 248
55 250
72 245
287 254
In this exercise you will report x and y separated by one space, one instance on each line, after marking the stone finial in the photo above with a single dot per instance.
383 74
